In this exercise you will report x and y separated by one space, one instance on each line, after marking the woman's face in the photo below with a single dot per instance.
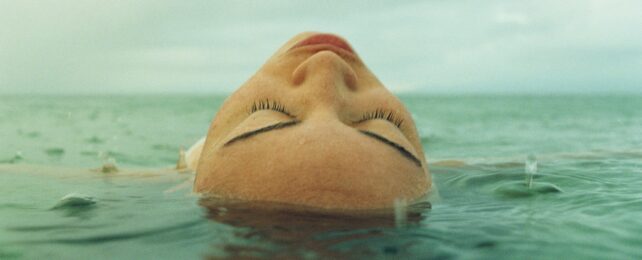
314 127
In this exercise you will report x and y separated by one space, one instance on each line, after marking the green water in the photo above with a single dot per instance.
585 200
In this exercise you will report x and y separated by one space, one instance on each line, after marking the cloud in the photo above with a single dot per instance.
504 17
214 46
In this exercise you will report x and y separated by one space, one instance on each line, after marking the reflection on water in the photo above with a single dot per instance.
285 231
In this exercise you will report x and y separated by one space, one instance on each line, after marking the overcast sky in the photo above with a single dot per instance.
426 46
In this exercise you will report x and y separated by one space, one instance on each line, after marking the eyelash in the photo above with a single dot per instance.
382 114
269 105
377 114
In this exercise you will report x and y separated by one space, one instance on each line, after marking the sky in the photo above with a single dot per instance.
452 47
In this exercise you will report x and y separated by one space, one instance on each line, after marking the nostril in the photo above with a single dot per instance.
350 79
298 76
325 67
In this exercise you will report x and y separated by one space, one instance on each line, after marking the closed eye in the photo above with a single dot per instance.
387 115
262 130
405 153
267 104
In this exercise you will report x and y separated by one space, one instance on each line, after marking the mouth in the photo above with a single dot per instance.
325 41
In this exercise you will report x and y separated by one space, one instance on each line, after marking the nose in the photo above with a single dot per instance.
325 76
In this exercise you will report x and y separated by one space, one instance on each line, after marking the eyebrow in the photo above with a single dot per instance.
262 130
398 147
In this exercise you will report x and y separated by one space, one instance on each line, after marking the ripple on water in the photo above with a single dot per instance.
55 227
7 254
95 140
30 134
17 158
55 151
519 189
90 153
165 147
108 237
74 201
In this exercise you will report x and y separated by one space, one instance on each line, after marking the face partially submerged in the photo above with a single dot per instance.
313 127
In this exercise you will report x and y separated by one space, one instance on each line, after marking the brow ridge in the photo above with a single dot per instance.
261 130
398 147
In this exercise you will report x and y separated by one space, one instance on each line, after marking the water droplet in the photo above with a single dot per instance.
530 168
182 161
109 166
401 215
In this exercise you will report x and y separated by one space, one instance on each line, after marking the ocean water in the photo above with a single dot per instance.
581 156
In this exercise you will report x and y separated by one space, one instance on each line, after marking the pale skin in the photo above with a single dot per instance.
313 127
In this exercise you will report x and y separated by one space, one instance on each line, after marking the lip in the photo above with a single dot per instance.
324 39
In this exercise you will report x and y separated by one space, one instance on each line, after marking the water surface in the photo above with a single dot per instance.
585 200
